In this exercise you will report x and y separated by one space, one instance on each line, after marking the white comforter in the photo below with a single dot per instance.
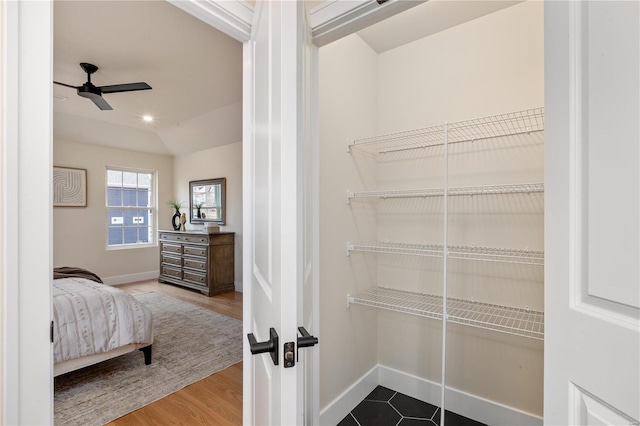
91 318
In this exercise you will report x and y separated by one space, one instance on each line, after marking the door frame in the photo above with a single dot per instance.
26 370
26 136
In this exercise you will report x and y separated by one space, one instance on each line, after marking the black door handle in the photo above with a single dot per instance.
270 345
306 340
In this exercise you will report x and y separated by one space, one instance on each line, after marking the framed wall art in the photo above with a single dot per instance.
69 187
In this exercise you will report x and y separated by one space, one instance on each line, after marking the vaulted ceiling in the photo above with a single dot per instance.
195 70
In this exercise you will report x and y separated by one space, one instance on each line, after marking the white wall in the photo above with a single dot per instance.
79 233
220 162
487 66
347 108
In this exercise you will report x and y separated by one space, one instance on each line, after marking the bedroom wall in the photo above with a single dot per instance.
224 161
490 65
79 235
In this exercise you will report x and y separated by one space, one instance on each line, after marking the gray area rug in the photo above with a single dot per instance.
190 343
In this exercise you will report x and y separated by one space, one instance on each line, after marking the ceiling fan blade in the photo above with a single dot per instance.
68 85
128 87
99 101
91 93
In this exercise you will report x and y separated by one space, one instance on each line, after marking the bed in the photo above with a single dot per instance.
93 322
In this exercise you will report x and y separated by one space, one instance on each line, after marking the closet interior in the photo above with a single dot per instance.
432 233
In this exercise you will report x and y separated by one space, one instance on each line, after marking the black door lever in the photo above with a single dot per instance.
306 340
270 345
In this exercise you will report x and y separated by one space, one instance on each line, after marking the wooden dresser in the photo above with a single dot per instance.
197 260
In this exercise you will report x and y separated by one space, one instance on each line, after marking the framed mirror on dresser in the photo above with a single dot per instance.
207 201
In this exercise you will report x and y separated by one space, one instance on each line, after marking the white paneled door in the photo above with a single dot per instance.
592 218
278 192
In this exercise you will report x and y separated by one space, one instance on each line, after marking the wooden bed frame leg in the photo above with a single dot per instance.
147 354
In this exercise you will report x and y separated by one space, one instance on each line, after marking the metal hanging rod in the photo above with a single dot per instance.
521 188
515 123
484 254
504 319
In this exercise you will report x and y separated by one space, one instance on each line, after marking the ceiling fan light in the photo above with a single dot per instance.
147 118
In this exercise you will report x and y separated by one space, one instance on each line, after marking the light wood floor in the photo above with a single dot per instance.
215 400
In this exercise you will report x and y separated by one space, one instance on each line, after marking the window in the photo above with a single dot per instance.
131 207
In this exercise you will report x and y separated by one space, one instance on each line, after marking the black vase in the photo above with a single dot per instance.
175 220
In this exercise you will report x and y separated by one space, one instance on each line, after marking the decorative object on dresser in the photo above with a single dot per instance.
69 187
175 220
197 260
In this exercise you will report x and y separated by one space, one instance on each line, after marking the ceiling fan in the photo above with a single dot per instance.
89 90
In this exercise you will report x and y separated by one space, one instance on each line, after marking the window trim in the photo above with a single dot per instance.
153 207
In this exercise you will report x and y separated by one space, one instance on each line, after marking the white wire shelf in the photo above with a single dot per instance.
521 188
504 319
429 250
410 139
514 123
484 254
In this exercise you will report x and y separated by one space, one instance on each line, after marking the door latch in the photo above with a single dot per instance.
289 358
305 341
270 345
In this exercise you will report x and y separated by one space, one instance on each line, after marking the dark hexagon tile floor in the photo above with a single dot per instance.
386 407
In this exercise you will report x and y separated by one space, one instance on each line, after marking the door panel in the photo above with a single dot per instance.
276 175
610 68
592 199
591 411
265 207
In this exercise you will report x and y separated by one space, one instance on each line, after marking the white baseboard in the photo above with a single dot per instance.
408 384
131 278
457 401
238 285
465 404
337 409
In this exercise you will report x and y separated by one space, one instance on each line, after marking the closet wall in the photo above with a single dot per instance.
348 106
487 66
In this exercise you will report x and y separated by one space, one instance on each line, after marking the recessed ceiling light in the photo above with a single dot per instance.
147 118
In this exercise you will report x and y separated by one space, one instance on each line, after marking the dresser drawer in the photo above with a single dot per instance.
171 260
185 238
171 272
195 251
200 265
171 248
195 278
